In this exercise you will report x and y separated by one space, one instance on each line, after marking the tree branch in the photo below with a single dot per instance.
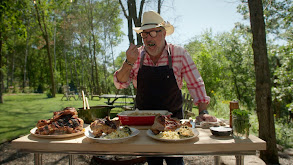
123 9
140 10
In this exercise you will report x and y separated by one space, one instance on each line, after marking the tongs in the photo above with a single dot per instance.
85 101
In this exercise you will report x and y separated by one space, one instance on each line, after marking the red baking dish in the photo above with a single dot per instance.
142 117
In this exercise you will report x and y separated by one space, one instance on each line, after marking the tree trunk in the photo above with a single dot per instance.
159 6
1 71
92 62
25 63
129 22
65 59
96 83
132 16
50 66
12 69
55 44
263 84
46 37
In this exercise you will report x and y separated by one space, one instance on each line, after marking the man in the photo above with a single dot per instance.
156 70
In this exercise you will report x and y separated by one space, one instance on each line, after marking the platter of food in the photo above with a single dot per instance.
121 135
170 129
172 136
63 124
55 136
105 130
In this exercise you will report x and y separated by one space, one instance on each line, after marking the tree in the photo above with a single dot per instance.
133 18
10 24
263 84
42 20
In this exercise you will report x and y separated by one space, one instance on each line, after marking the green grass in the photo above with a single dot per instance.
19 113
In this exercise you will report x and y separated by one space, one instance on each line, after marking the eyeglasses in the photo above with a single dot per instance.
151 33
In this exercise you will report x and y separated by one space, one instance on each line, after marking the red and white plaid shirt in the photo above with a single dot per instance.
183 67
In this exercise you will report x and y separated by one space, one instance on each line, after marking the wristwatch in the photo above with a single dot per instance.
203 112
127 62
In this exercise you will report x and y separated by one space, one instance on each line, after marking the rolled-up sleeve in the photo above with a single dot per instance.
120 85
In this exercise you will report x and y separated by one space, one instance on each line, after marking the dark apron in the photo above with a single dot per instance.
157 89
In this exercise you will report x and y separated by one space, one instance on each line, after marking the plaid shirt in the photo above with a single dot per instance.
183 67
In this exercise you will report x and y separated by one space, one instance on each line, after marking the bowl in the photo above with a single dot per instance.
221 131
141 117
90 115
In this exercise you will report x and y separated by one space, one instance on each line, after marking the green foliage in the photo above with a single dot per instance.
226 65
278 18
240 113
284 133
80 50
282 91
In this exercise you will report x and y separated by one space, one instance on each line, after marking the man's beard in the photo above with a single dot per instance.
156 51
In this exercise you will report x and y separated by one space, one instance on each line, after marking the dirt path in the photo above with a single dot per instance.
11 156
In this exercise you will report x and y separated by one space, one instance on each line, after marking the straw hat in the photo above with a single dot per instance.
152 19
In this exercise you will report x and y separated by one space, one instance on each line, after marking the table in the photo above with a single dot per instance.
115 97
142 145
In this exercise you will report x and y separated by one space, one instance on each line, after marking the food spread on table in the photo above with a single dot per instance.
62 122
165 127
119 133
109 129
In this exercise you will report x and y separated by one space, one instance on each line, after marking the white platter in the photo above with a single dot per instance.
88 133
33 132
152 135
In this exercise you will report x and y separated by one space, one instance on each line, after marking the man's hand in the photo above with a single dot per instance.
206 117
132 53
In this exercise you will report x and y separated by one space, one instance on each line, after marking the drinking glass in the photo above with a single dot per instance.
241 126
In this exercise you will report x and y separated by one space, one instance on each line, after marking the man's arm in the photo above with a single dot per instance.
196 89
125 70
203 115
202 106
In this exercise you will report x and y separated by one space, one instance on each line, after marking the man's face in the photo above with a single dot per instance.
154 45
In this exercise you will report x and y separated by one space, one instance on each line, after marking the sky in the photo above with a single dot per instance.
191 18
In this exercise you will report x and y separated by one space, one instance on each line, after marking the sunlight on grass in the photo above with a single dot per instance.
20 113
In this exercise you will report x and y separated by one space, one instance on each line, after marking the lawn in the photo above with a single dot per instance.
19 113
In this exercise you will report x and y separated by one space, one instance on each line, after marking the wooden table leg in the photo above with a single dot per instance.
216 160
38 158
239 159
71 159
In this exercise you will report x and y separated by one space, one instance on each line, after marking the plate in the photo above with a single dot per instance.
88 133
207 124
32 131
221 131
152 135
